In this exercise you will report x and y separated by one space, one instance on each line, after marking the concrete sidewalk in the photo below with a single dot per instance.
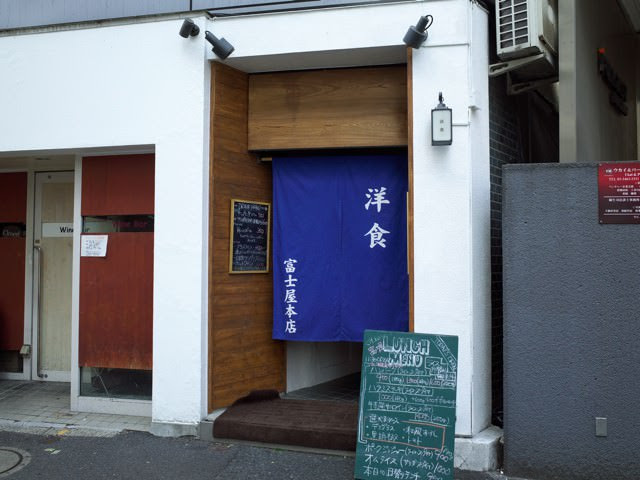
138 455
40 437
45 407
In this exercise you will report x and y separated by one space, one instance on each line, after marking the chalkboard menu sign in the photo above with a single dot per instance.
406 426
249 238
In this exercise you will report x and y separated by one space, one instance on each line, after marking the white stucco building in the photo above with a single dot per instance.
104 87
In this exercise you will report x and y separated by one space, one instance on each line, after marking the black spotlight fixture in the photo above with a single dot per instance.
221 47
189 29
416 35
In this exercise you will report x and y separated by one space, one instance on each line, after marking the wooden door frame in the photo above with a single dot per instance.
36 313
410 202
211 246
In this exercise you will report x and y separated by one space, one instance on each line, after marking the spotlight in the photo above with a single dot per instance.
189 29
221 47
416 36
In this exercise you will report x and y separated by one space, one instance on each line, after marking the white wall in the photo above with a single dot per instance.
143 84
452 266
311 363
131 85
340 37
452 287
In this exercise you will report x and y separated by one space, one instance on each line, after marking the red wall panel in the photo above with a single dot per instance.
116 291
116 304
13 197
11 293
118 185
13 209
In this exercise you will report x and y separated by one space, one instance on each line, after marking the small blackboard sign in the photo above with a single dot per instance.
249 237
406 425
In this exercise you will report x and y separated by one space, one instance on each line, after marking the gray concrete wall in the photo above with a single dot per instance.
571 328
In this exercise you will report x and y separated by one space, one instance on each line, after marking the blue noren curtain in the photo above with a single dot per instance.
339 246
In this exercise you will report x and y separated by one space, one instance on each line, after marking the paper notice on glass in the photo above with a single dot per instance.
94 245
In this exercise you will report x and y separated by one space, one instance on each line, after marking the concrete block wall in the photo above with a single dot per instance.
571 303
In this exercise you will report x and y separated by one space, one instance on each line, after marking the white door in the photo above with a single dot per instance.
52 245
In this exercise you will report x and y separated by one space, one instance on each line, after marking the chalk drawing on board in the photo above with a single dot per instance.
407 406
249 236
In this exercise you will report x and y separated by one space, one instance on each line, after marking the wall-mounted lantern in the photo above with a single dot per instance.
441 120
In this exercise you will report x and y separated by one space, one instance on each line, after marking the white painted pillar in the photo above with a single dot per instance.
180 304
451 216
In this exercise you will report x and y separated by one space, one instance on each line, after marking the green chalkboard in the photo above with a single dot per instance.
406 424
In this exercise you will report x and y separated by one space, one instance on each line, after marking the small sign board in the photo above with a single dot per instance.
619 192
249 237
406 424
118 223
57 229
94 245
12 230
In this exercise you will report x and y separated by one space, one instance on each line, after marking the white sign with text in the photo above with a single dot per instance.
94 245
57 229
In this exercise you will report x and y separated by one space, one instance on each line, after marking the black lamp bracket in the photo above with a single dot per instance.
416 35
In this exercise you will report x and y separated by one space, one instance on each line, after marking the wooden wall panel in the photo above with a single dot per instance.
118 185
351 107
13 209
242 354
410 249
116 304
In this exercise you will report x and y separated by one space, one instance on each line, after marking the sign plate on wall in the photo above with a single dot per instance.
406 423
619 192
12 230
57 229
94 245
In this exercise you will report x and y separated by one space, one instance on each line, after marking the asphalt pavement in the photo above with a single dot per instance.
137 455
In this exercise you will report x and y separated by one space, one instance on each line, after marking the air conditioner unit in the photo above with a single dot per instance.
527 29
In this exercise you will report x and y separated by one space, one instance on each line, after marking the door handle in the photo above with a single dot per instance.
40 258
